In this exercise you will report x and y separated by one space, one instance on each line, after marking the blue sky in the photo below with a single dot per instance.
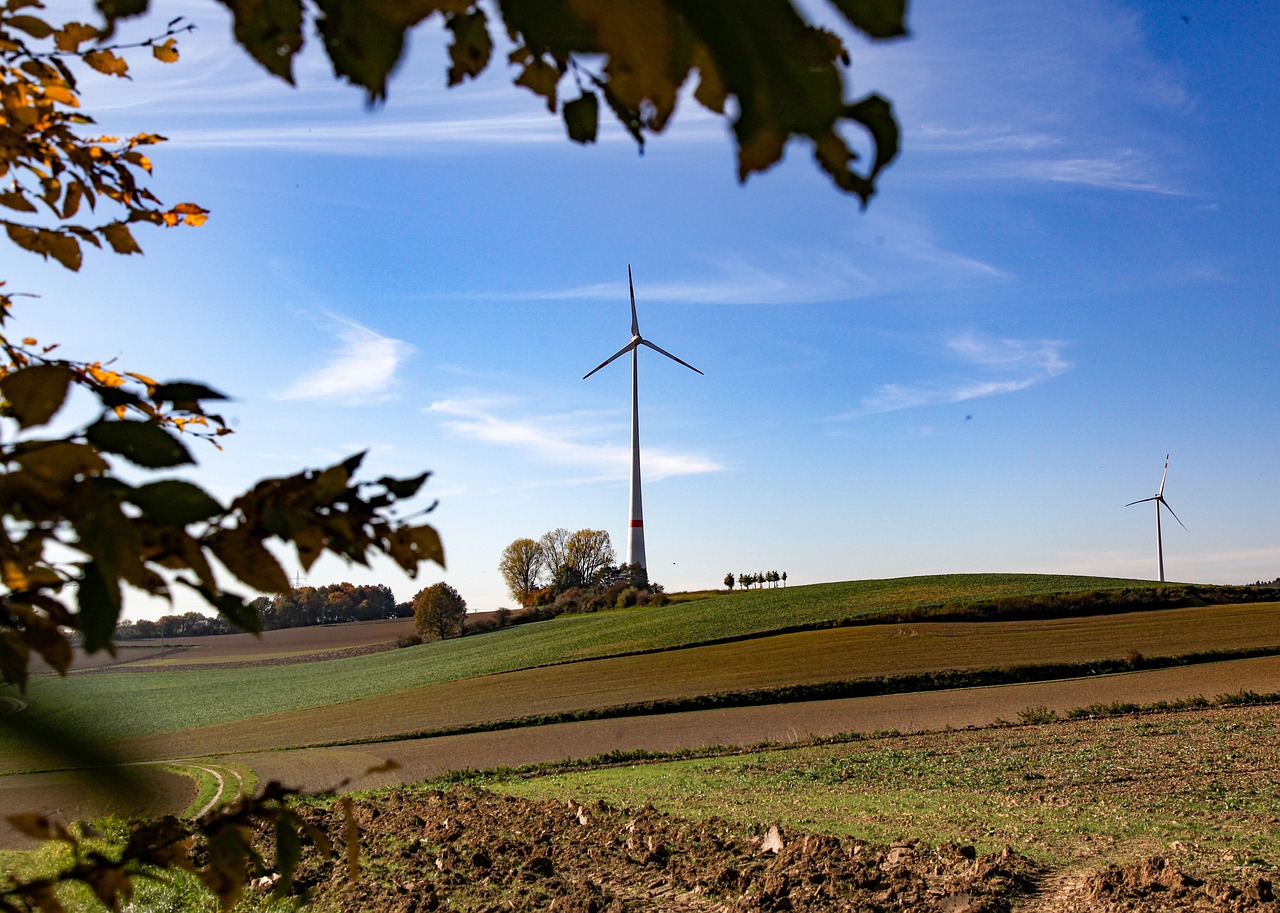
1070 272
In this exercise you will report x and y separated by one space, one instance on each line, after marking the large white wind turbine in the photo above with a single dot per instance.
635 528
1159 499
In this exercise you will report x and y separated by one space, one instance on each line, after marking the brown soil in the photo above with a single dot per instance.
470 850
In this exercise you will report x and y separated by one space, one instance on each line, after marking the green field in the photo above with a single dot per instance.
137 703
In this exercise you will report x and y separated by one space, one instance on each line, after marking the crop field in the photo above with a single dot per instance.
161 701
233 709
716 676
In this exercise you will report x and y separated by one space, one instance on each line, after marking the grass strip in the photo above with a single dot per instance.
867 687
1028 607
619 757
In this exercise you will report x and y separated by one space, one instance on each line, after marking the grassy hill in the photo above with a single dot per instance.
122 704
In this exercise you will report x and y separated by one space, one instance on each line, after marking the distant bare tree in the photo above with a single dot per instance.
555 549
590 551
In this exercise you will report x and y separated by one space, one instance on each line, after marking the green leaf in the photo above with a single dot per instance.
184 391
582 117
876 18
363 46
35 394
231 607
270 30
288 855
411 545
472 46
174 502
99 602
141 443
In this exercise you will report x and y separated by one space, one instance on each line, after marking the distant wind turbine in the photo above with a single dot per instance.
1159 499
635 528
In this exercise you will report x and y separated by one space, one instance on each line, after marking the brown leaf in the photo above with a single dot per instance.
120 238
541 78
72 35
247 558
38 826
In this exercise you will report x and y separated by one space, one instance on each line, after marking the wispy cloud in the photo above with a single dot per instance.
1026 94
362 369
899 255
1009 365
562 440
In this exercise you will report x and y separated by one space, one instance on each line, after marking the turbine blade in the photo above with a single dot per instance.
623 351
635 323
645 342
1141 501
1162 478
1175 516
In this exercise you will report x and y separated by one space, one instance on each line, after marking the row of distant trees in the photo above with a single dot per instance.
746 581
299 608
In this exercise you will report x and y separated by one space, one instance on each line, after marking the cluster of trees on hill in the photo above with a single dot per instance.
299 608
567 572
746 581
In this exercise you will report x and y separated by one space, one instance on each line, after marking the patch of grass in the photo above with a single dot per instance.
1116 788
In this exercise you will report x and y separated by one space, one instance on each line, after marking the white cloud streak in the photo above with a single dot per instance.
1011 365
363 369
559 440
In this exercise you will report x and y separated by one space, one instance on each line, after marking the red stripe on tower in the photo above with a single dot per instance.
635 523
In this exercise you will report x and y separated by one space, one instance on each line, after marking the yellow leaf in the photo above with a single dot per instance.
62 95
167 52
106 378
105 61
72 35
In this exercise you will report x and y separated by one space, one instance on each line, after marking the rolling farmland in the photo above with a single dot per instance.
737 670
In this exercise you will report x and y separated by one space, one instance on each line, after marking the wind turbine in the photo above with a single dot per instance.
1159 499
635 527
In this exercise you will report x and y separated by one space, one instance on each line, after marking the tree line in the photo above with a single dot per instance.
746 581
301 607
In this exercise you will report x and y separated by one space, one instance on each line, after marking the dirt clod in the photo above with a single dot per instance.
470 850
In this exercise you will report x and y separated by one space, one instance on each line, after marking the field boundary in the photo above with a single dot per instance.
867 687
982 609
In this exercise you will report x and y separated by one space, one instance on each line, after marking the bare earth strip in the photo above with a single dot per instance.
324 768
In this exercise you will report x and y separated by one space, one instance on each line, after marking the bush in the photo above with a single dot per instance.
627 598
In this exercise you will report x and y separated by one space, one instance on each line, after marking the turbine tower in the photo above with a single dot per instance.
1159 499
635 526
